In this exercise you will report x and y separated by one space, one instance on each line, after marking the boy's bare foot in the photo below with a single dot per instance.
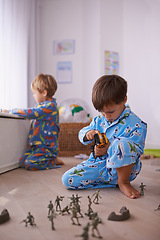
128 190
59 161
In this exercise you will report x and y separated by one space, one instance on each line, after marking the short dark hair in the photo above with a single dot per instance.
107 90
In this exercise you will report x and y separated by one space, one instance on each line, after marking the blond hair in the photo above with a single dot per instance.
45 82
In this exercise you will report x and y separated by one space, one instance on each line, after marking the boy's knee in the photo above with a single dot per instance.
68 180
65 179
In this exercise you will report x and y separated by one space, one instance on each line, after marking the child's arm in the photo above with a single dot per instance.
86 134
37 112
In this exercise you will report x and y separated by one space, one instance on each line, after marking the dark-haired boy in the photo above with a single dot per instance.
119 161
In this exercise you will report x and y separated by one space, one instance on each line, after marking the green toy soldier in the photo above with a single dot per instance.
142 187
89 207
66 209
96 198
30 220
77 199
57 202
85 232
74 215
51 217
95 222
50 206
73 199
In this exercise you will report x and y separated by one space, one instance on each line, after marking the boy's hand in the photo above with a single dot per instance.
4 111
100 151
90 134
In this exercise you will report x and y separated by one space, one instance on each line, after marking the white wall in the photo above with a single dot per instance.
130 27
141 63
61 20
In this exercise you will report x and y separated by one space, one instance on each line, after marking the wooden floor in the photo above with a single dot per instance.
22 191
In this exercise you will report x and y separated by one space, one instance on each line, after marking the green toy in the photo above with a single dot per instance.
30 220
142 188
50 206
96 197
51 217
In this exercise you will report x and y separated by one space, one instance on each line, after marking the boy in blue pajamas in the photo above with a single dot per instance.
42 149
119 161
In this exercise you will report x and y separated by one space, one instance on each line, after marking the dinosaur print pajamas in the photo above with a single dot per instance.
43 135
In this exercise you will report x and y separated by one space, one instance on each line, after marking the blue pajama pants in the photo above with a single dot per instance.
101 172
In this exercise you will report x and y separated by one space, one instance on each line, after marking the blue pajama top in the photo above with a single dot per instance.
127 133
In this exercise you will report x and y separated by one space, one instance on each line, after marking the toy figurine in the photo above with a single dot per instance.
57 202
85 232
51 217
95 221
74 215
30 220
66 209
72 200
77 199
89 207
4 216
157 208
78 208
142 187
97 196
50 206
124 215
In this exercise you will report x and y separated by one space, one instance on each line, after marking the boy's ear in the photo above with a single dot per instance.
44 93
125 100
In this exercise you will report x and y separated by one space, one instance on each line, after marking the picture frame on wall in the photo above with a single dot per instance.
64 72
63 47
111 62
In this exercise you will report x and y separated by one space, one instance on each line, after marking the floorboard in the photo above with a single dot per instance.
22 191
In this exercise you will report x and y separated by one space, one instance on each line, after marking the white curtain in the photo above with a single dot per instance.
18 49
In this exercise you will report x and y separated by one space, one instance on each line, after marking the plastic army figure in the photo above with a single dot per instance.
50 206
30 220
57 202
66 209
96 198
78 208
72 200
74 215
77 199
157 208
51 217
90 210
95 221
142 188
85 232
